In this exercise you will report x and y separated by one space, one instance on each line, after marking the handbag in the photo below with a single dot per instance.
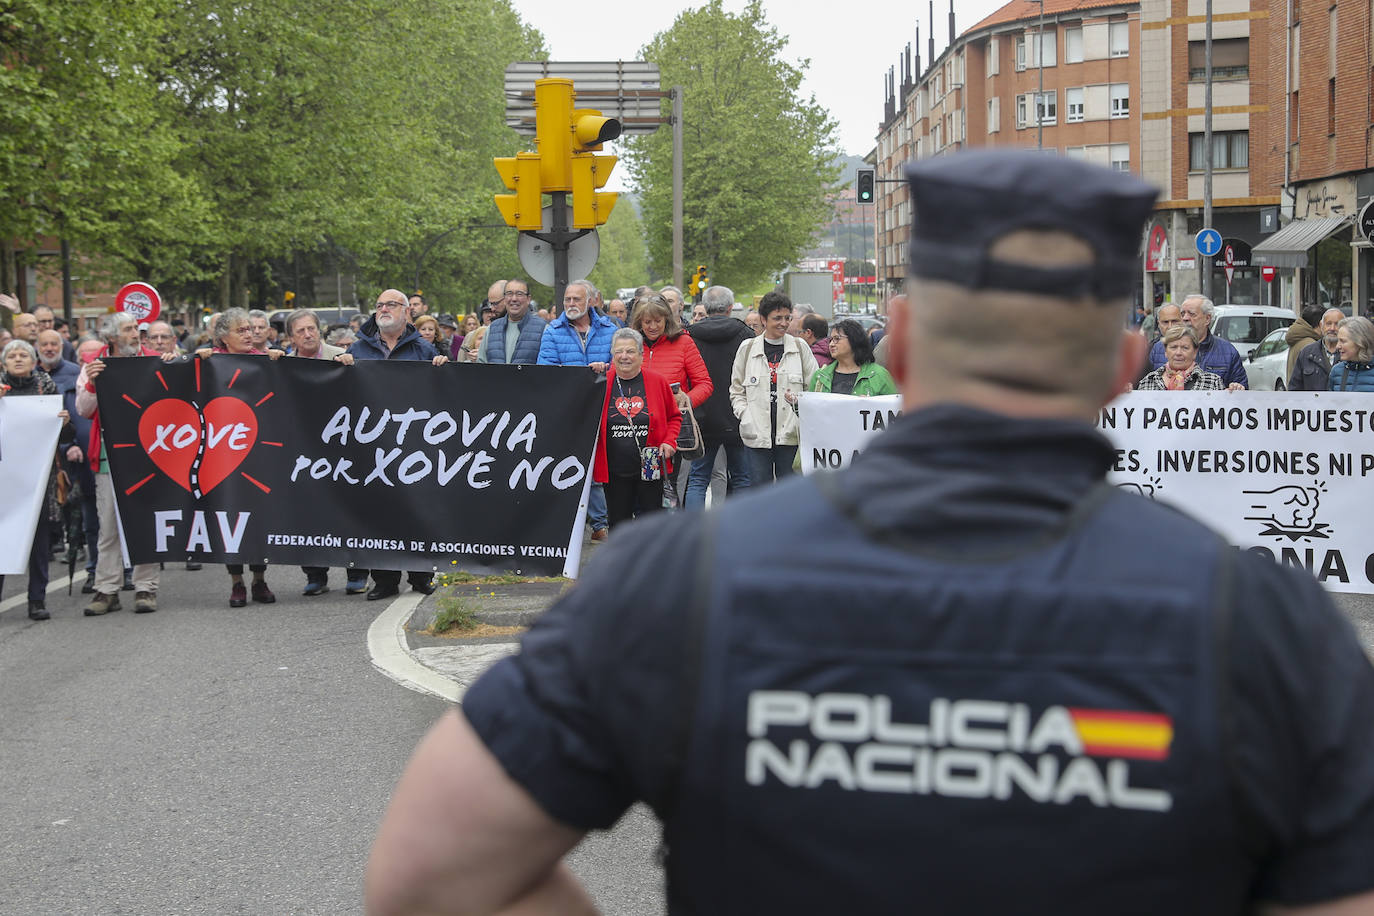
690 445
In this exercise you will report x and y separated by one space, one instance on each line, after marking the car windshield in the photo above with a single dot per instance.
1249 328
1273 343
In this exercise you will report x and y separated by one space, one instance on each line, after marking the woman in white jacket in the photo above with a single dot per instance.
770 373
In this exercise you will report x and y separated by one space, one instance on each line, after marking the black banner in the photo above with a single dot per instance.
388 465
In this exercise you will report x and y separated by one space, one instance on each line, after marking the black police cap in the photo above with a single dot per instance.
965 202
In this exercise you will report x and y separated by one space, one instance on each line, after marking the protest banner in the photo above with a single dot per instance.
834 427
387 465
1284 474
28 442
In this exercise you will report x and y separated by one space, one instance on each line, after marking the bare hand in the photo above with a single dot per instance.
440 360
683 401
1235 386
93 369
64 416
74 454
169 357
205 352
275 354
666 450
344 359
10 303
599 368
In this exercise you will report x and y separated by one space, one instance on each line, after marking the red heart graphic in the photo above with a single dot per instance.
629 407
231 431
169 431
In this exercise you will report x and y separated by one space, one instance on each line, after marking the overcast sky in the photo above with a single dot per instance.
850 46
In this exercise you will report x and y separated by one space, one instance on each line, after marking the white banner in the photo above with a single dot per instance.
28 441
1286 474
834 427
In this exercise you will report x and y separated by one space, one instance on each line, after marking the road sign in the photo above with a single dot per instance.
537 255
1208 242
1230 264
1366 221
140 300
1268 273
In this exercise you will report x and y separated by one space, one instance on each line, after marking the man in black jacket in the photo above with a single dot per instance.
718 336
1312 368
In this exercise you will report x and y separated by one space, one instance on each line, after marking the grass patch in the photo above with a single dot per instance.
467 578
454 614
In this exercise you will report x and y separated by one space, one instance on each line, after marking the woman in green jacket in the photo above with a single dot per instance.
854 370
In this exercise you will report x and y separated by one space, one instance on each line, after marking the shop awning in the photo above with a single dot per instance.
1288 247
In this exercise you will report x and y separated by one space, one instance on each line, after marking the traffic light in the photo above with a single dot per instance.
863 191
699 281
566 139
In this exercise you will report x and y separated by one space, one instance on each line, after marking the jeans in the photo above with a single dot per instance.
769 464
737 462
596 507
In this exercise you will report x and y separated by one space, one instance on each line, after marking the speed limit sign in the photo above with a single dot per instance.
139 300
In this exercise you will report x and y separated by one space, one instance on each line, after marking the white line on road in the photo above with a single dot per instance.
22 599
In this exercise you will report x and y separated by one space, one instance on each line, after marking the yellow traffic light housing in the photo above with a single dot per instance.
524 208
699 281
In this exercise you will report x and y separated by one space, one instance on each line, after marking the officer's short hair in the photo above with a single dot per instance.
816 325
718 299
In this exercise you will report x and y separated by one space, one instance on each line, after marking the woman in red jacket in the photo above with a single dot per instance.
673 354
639 427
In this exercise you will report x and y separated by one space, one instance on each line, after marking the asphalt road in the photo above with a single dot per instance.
207 760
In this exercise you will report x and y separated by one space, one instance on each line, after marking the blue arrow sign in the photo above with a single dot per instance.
1208 242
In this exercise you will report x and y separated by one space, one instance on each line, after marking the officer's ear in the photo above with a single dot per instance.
898 317
1130 359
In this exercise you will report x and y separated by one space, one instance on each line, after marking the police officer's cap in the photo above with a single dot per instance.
965 202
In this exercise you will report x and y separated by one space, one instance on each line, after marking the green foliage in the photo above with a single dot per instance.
453 613
223 150
757 158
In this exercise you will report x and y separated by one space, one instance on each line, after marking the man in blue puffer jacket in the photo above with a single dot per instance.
581 336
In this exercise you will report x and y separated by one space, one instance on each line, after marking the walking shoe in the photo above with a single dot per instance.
315 588
128 585
145 603
424 588
238 595
262 594
192 565
382 591
599 534
38 611
102 604
89 587
356 586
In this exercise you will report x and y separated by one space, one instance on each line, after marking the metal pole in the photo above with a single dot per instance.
677 186
1208 260
1040 66
561 241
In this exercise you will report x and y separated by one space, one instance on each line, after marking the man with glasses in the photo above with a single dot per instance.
386 335
515 336
496 299
162 338
1214 354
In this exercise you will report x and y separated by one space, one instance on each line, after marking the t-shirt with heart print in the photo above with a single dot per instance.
627 426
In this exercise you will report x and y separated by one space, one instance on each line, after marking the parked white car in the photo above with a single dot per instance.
1246 325
1267 364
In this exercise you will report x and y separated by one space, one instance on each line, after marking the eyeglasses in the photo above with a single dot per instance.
246 329
159 336
518 292
392 304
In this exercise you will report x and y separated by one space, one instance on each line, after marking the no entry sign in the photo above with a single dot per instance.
139 300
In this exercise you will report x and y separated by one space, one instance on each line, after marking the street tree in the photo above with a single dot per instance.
758 155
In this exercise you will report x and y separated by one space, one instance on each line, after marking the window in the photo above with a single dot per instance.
1021 52
1076 152
1331 107
937 85
1073 45
1230 150
1230 59
991 65
1027 46
1121 100
1022 106
1119 39
1047 47
994 115
1073 105
1044 105
1121 157
1045 108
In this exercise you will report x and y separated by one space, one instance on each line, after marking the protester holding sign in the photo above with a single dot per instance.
21 376
854 370
1355 346
1180 371
639 427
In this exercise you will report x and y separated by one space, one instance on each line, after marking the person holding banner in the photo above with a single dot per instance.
853 370
118 334
1355 347
1180 371
964 674
639 427
20 376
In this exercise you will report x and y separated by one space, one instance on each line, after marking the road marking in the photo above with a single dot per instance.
22 599
386 644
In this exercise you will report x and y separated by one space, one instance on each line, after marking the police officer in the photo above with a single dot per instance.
948 679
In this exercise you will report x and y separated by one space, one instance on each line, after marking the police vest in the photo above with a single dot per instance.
872 728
